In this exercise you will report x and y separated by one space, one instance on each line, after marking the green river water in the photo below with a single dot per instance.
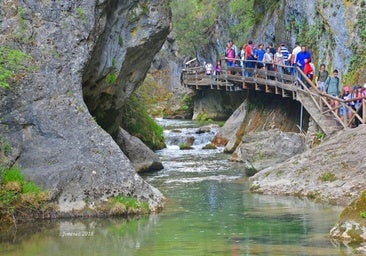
209 211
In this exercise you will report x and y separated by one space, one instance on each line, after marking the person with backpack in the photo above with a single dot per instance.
332 87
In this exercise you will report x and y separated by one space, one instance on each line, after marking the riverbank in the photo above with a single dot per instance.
333 172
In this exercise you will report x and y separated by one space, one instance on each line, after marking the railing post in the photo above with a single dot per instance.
363 111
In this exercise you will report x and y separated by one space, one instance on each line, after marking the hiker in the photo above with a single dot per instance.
218 68
230 54
286 58
209 68
331 87
268 61
278 60
249 57
344 111
301 56
321 77
259 55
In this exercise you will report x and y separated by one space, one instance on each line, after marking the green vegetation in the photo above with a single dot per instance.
245 15
5 147
355 211
358 61
328 177
186 102
120 205
254 187
194 21
111 78
138 123
13 65
120 41
81 14
317 138
209 146
145 8
363 214
21 19
203 118
184 146
20 197
154 96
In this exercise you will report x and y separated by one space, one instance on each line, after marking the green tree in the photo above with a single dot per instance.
193 23
244 19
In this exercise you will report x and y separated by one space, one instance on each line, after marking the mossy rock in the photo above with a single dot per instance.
209 146
184 146
351 225
355 211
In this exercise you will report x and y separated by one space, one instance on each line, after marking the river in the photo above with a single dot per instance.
209 211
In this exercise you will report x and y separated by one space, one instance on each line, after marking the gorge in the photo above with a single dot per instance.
62 117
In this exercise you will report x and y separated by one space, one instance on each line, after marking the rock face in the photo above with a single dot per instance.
331 24
333 172
93 50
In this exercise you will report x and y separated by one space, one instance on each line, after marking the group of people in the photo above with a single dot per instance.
283 60
280 59
353 98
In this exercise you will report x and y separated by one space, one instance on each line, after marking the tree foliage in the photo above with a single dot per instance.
244 16
193 23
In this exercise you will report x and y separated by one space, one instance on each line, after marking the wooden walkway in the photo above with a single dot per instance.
291 83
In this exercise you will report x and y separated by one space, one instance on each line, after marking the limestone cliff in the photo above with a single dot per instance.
86 57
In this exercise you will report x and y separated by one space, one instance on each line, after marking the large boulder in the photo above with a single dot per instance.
351 226
86 57
142 157
259 150
227 134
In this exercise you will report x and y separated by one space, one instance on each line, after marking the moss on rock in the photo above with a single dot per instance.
351 225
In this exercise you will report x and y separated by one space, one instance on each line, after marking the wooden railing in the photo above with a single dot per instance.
283 80
349 114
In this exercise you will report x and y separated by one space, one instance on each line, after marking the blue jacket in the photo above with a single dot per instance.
300 58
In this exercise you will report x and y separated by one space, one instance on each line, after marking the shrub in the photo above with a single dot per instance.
328 177
12 64
138 123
